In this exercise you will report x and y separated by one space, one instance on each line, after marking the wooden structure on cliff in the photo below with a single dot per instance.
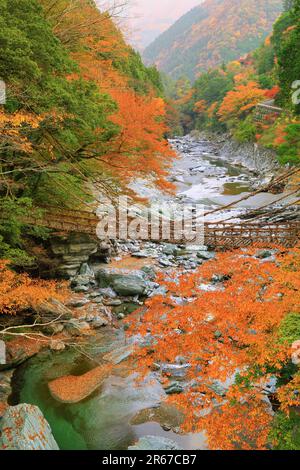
267 112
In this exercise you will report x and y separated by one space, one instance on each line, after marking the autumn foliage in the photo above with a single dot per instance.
230 336
12 128
20 292
241 100
139 146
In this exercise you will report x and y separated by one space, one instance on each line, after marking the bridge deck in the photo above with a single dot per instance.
218 235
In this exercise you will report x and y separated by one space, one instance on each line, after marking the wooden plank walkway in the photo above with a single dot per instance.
217 235
266 111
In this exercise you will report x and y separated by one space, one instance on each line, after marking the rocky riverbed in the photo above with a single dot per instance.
111 281
216 171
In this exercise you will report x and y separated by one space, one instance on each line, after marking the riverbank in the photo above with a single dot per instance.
250 155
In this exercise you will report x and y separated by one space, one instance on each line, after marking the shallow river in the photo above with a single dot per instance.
102 421
204 176
109 419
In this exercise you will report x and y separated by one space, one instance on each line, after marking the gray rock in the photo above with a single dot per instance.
165 262
192 265
263 254
108 292
124 282
53 309
85 270
195 248
68 270
174 389
152 287
155 443
206 255
81 289
161 290
133 248
130 285
80 280
2 353
169 249
77 303
99 316
218 389
149 272
16 355
175 370
72 251
19 424
141 254
270 386
106 276
77 328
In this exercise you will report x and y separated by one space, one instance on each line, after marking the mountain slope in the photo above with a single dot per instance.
214 32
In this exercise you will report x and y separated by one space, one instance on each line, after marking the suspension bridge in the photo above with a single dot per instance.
219 235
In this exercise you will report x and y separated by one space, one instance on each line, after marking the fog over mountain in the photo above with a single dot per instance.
213 32
148 19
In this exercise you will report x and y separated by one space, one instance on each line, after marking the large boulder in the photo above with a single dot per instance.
19 350
73 251
124 282
23 427
155 443
130 285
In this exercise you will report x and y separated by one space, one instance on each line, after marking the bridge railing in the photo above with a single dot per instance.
216 234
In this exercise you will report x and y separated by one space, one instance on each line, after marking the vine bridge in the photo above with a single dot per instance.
219 235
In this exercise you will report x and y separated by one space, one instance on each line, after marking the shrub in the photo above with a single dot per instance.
290 328
245 131
20 292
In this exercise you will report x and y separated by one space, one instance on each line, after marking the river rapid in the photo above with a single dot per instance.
120 412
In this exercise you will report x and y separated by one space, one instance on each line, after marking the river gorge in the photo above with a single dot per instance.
121 411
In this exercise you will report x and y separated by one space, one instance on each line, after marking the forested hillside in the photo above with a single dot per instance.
81 108
214 32
224 99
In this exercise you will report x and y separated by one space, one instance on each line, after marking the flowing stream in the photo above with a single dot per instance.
121 411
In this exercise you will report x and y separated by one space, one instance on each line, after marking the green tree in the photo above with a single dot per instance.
289 151
286 40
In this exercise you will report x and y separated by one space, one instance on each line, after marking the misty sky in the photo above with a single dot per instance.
146 19
151 17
